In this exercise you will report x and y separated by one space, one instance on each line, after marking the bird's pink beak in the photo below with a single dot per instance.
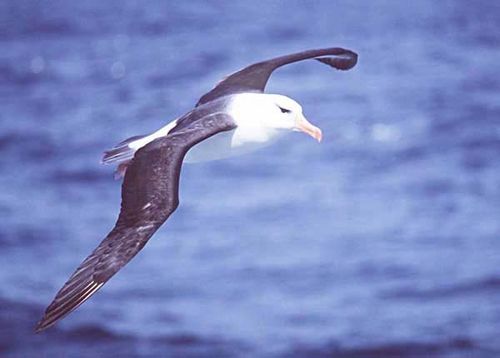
305 126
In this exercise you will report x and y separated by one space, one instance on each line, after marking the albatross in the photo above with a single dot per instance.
235 117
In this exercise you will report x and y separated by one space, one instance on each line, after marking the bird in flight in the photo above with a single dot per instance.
235 117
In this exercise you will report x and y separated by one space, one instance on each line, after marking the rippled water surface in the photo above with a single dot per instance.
383 241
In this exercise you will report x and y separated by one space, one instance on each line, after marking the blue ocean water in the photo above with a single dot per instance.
383 241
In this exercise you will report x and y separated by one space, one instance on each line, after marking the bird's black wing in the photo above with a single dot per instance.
150 193
254 77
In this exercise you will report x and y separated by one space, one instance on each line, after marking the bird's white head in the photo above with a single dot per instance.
273 114
288 115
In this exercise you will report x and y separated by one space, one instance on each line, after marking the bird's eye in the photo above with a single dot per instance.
284 110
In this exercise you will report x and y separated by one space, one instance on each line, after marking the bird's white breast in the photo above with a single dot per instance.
248 110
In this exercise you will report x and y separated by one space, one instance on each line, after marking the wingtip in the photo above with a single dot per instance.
342 62
45 323
42 326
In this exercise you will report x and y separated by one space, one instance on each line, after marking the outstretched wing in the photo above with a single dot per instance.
255 77
150 193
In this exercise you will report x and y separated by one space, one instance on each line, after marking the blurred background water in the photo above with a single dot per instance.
383 241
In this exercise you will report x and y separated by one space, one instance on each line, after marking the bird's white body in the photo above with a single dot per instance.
259 123
253 113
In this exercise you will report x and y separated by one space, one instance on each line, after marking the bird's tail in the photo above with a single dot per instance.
125 151
122 152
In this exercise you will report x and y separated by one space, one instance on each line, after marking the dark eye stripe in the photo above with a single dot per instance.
284 110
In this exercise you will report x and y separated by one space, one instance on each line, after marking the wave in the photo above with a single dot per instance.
17 338
479 286
397 349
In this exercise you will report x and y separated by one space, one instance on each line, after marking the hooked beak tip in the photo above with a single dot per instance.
318 136
305 126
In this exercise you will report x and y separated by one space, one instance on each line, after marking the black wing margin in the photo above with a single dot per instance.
150 193
255 77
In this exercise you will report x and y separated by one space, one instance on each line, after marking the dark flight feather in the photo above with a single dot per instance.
150 193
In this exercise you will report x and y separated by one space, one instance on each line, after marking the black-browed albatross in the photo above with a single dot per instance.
235 117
